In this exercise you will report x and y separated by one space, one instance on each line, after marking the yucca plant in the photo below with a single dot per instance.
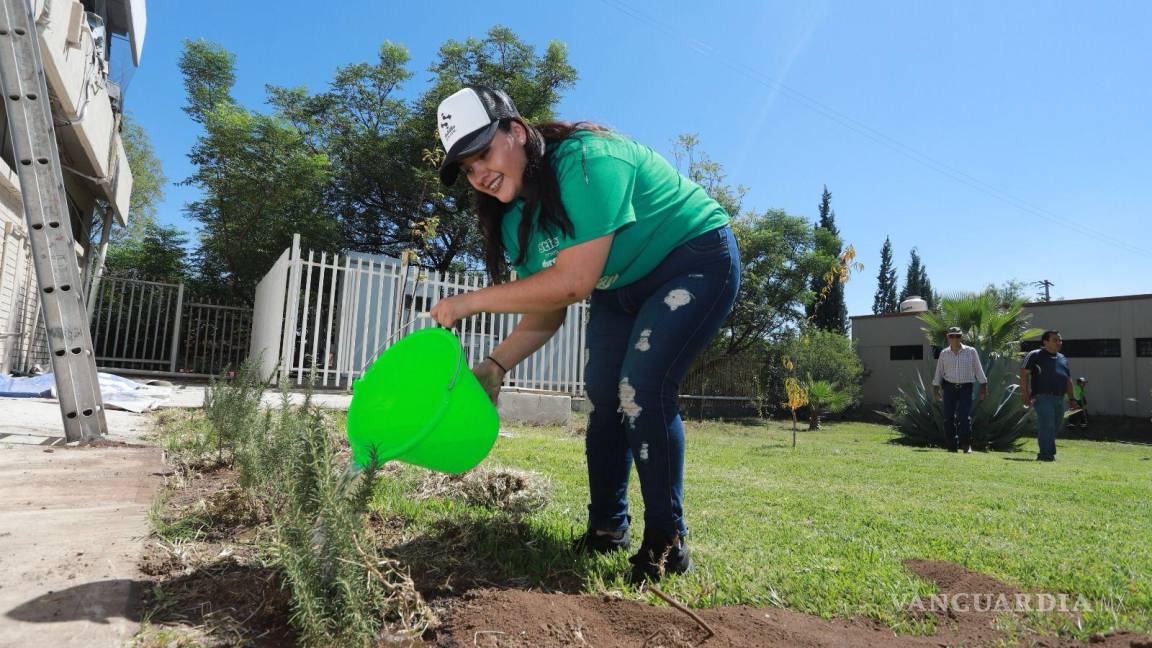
995 331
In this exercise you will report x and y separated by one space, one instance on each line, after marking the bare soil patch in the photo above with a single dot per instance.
508 618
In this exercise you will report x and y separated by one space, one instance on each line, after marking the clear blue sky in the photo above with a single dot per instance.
1003 140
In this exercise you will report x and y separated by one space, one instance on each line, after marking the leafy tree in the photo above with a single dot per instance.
778 257
148 177
378 184
828 310
707 173
384 150
828 356
885 299
261 180
147 186
797 397
157 254
209 73
1008 292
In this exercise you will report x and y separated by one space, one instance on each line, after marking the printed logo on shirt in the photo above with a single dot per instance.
548 263
548 245
606 282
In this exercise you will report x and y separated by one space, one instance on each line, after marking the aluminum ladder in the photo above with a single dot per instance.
49 225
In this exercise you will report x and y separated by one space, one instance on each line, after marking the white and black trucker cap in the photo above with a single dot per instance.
467 121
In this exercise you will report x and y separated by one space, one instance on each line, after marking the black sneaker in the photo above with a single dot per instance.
660 555
602 542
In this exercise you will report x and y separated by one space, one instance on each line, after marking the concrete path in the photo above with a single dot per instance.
72 527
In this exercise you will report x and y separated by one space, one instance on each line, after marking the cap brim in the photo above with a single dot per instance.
471 143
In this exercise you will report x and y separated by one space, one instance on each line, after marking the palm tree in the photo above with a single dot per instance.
992 329
824 398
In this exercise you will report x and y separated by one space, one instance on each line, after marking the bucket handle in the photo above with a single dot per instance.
387 342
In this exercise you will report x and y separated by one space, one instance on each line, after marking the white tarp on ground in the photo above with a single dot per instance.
117 392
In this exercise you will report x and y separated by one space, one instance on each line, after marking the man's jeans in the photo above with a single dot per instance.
1049 416
957 414
642 338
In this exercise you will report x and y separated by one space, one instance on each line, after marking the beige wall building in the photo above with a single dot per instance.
75 47
1108 340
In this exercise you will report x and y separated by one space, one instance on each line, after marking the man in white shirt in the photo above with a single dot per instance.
956 369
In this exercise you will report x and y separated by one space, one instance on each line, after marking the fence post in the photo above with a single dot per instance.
176 329
291 306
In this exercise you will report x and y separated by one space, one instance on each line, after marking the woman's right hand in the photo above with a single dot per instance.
491 377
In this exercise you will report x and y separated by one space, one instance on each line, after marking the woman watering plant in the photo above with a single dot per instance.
583 212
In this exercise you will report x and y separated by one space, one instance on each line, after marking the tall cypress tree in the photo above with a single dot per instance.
916 281
828 310
885 299
926 287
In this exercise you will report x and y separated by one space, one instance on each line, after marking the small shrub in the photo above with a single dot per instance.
232 406
344 591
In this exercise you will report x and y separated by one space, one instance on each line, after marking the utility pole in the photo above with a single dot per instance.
1046 285
49 223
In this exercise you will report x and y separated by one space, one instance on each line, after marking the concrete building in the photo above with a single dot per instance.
1108 340
76 45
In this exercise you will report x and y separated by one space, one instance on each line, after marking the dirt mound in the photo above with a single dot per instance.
522 619
519 619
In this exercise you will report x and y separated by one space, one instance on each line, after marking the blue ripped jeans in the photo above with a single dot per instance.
642 338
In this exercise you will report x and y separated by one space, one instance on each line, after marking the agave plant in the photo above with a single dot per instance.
998 422
995 331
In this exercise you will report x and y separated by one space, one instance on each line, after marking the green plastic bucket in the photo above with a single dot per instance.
420 404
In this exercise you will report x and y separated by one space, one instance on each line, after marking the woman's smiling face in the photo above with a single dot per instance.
498 170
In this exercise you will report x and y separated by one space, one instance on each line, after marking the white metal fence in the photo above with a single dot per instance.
339 311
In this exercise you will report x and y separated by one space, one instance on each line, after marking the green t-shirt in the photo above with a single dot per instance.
609 183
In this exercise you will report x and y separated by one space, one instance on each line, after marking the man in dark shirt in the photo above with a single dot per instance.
1045 383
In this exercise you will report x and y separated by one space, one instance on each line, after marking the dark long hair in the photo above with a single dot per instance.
543 208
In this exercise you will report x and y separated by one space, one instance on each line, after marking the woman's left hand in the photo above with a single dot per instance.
450 310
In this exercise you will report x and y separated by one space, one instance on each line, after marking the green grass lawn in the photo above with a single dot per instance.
823 527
